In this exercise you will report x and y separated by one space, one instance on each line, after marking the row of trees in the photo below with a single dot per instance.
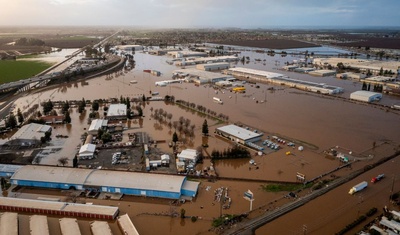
235 152
203 109
376 88
29 42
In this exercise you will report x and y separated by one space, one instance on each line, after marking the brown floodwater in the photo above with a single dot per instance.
319 122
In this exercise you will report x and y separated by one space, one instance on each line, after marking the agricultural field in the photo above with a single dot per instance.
11 70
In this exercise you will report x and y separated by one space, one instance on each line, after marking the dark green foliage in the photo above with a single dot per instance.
174 138
140 111
95 106
106 137
67 118
29 42
11 121
20 116
47 107
235 152
204 128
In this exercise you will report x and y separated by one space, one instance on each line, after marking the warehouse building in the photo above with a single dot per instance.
97 124
322 73
58 208
203 77
238 134
116 111
212 66
181 54
126 225
366 96
130 183
277 78
130 48
87 151
29 135
38 225
8 170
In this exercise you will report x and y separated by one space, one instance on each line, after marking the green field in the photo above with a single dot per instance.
11 70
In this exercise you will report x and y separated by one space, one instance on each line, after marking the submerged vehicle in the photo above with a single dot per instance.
378 178
358 187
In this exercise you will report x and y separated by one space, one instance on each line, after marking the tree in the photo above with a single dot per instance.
47 107
364 86
20 116
67 118
75 162
381 71
204 129
183 212
175 138
11 121
63 161
140 111
65 107
106 137
95 105
38 114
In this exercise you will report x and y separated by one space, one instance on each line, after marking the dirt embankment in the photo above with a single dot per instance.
270 43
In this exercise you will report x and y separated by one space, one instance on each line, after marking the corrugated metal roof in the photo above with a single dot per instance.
9 168
97 124
239 132
116 110
52 174
135 180
190 186
87 148
9 223
100 228
126 225
69 226
38 225
31 131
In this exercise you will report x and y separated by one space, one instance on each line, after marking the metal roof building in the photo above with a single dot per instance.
238 134
130 183
202 77
126 225
100 228
277 78
58 208
29 134
366 96
69 226
38 225
116 111
8 170
9 223
87 151
97 124
213 66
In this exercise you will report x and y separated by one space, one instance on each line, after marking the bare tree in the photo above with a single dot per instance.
63 161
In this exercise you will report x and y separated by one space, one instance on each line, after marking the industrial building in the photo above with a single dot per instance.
116 111
181 54
374 66
38 225
8 170
365 96
97 124
350 75
58 208
9 223
203 77
280 79
100 228
126 225
130 48
322 73
29 135
87 151
130 183
238 134
213 66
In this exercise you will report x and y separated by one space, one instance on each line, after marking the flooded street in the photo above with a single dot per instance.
314 121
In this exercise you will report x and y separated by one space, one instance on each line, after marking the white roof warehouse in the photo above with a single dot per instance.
238 134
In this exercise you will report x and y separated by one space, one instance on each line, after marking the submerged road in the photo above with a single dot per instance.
248 227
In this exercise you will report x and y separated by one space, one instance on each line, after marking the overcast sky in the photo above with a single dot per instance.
202 13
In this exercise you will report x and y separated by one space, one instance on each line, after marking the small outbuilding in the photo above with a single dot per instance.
116 111
87 151
97 124
366 96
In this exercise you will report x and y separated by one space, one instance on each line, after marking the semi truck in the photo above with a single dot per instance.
378 178
358 187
